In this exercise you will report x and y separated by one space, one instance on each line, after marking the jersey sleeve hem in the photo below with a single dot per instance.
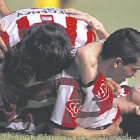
91 82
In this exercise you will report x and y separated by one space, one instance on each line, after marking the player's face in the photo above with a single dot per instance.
135 96
126 71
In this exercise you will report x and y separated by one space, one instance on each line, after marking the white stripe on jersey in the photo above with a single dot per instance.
89 104
13 38
60 105
81 33
60 19
34 19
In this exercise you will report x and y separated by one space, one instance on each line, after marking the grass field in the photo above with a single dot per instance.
41 137
114 14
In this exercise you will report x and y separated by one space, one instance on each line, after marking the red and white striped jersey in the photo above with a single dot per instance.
89 116
98 109
61 100
63 92
70 110
68 103
20 20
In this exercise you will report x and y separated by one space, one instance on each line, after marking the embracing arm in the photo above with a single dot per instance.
92 21
86 61
81 132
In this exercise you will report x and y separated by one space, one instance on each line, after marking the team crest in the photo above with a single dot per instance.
101 93
74 107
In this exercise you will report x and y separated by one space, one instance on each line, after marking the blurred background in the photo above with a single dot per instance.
114 14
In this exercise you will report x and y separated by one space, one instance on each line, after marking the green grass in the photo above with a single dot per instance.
41 137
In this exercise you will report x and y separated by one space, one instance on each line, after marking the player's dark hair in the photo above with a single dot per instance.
123 43
131 124
44 51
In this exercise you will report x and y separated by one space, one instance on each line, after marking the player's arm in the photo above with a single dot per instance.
87 66
81 132
4 11
86 61
92 21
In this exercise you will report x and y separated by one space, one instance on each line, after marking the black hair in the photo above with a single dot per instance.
123 43
43 51
131 124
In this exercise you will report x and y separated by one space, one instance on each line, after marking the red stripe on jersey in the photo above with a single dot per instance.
22 24
5 37
102 94
71 29
90 36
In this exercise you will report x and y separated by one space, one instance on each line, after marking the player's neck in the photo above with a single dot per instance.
105 67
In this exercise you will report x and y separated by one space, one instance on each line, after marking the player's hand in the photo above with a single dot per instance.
115 88
92 21
3 47
114 129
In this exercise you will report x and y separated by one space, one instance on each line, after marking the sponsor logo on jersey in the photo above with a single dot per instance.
38 11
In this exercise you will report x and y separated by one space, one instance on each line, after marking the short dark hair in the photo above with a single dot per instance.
43 51
123 43
131 124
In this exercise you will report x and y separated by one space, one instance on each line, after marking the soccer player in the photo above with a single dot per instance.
125 69
20 20
69 94
13 26
29 17
94 103
42 52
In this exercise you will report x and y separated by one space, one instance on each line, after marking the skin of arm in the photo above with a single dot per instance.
81 132
86 61
92 21
4 11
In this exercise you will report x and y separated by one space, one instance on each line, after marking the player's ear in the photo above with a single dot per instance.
117 62
137 108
